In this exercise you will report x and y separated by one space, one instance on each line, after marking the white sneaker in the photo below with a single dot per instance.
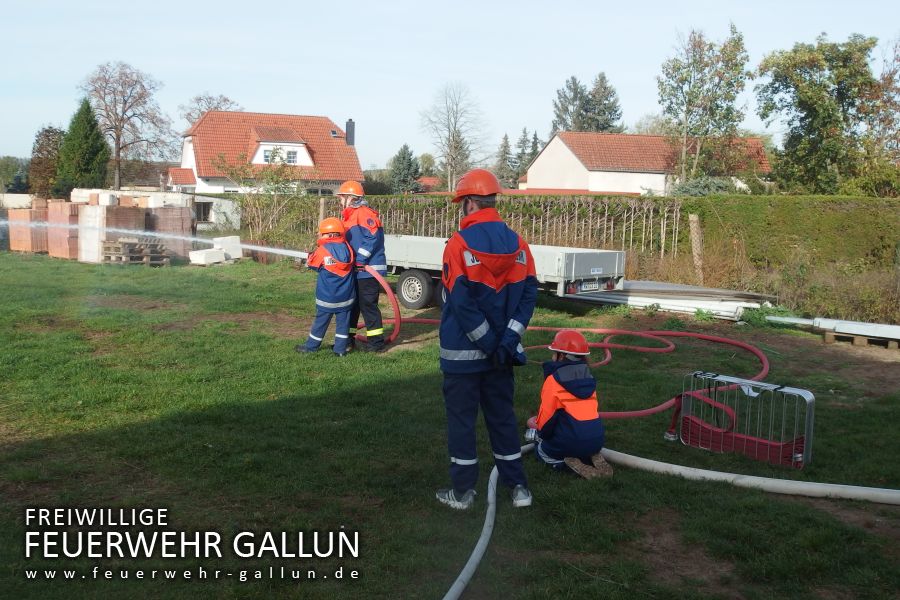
521 496
454 500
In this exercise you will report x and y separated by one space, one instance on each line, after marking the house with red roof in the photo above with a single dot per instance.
321 155
615 163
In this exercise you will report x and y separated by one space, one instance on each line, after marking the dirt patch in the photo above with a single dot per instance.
278 324
46 323
672 562
133 302
882 520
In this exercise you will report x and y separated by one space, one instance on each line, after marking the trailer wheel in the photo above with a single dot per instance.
414 289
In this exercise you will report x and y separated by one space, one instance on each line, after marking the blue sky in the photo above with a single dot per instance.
383 63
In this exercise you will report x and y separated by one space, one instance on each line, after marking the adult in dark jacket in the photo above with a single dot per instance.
490 291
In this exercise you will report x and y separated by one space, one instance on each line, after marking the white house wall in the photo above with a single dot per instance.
626 183
188 161
557 167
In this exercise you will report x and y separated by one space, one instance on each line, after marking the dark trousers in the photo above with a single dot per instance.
367 290
320 326
493 392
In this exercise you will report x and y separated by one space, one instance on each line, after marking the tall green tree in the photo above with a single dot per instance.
698 90
83 155
569 107
602 111
822 91
522 155
44 156
404 172
503 166
535 149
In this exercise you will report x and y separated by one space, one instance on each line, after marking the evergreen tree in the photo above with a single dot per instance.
536 145
404 172
602 110
83 155
503 168
457 159
522 154
569 107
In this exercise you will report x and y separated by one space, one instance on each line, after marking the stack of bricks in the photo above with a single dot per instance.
62 239
94 223
22 236
176 220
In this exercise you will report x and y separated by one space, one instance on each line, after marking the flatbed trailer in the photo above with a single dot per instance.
418 260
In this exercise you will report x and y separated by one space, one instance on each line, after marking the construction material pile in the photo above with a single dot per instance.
94 223
62 233
176 220
22 236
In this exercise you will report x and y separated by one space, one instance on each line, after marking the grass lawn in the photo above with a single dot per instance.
178 388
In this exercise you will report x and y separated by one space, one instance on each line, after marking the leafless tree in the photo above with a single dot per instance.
206 102
122 98
455 124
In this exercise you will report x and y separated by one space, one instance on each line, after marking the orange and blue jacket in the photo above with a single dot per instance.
336 286
568 421
366 236
490 290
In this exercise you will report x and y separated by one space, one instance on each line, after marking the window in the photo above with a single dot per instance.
267 156
291 157
204 211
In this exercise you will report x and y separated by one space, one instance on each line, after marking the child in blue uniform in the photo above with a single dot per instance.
335 287
568 429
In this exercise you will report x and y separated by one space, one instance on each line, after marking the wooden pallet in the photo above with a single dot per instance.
831 337
136 251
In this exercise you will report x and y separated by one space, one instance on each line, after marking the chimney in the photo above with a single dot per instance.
351 132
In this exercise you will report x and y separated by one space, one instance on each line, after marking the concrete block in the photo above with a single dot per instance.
231 244
209 256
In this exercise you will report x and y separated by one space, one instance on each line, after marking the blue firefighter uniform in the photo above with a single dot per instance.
490 290
568 421
366 236
335 292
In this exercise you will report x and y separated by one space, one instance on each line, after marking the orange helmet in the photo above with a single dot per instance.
331 225
477 182
569 341
351 188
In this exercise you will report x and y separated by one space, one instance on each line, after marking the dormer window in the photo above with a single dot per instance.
267 156
334 133
291 157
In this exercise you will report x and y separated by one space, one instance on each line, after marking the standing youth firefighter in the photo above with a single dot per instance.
490 291
335 291
366 237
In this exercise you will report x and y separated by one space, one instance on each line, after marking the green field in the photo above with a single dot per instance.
178 388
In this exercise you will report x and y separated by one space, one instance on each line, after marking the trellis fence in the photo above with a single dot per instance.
650 225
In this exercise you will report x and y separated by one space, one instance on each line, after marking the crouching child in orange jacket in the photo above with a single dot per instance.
568 429
335 287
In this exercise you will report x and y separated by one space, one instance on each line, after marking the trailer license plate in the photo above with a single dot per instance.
590 286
